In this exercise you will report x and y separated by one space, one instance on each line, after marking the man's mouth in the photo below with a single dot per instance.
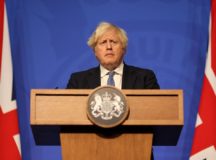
109 54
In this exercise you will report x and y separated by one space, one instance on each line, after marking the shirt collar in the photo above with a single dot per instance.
118 70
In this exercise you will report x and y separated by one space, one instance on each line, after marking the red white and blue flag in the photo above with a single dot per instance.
9 131
204 143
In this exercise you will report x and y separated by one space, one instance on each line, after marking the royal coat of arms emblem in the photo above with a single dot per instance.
107 107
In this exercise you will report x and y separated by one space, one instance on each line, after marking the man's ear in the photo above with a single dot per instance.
93 49
124 50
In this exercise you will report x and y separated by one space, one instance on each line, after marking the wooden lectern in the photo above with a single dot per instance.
152 112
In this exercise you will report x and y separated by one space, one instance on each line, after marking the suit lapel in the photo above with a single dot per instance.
128 79
94 78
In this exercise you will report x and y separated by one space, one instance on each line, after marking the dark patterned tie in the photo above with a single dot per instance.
110 80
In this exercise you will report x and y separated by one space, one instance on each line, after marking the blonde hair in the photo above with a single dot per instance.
104 27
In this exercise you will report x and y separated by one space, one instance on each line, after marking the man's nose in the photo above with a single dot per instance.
109 45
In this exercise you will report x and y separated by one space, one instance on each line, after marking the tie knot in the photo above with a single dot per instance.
110 80
111 73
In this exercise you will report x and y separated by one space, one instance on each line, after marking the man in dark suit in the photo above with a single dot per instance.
109 44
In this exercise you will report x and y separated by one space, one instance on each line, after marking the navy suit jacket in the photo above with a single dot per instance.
133 78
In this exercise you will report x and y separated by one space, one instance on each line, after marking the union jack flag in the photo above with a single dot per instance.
204 143
9 131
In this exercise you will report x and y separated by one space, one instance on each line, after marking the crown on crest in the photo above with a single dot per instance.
106 96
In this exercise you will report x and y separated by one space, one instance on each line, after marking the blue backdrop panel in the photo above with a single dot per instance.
49 37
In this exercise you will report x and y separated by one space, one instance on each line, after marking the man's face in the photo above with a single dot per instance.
109 50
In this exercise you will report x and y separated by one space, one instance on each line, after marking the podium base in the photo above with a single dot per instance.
92 146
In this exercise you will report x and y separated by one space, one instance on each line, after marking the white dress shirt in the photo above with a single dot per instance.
117 76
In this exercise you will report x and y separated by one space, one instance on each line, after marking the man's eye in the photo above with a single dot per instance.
114 42
103 42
